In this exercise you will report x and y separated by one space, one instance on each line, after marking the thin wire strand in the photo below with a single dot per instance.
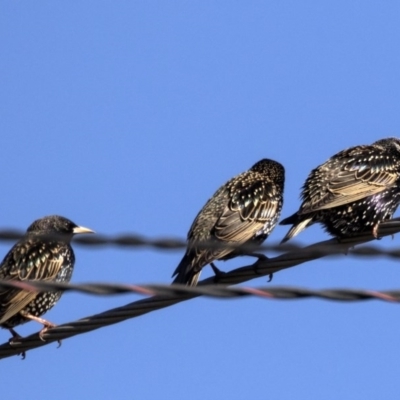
260 268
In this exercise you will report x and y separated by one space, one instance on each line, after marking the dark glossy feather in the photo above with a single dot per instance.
37 257
243 210
37 261
351 192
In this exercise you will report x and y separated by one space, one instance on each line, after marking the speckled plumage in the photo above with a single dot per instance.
244 210
352 192
37 256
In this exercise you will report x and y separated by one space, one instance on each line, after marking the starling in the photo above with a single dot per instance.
43 254
243 211
352 192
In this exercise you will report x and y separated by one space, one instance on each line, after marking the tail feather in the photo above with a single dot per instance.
186 273
189 279
296 228
293 219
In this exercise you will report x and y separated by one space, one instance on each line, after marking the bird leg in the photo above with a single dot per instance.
375 231
15 335
46 325
217 272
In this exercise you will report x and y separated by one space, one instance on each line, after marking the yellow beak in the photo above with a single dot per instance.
82 229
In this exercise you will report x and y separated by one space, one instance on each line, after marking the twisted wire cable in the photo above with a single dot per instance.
213 291
262 267
130 240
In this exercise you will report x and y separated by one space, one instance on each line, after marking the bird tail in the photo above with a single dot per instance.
298 226
186 273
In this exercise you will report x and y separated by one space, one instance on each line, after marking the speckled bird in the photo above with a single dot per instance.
352 192
43 254
244 210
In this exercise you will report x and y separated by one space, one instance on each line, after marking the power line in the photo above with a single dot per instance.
262 267
136 241
213 291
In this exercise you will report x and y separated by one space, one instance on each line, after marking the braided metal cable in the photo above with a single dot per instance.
137 241
260 268
213 291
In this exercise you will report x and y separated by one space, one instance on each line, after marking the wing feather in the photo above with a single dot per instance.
349 176
24 266
252 204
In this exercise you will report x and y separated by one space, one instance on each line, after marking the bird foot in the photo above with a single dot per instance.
260 257
45 329
375 232
217 272
14 334
46 325
270 276
11 342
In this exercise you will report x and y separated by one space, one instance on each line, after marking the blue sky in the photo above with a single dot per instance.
127 116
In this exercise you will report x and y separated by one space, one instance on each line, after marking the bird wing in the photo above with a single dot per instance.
252 204
14 303
37 263
359 174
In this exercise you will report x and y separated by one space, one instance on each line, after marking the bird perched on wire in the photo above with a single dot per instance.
43 254
244 210
352 192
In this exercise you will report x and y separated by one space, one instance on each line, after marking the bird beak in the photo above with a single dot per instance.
82 229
